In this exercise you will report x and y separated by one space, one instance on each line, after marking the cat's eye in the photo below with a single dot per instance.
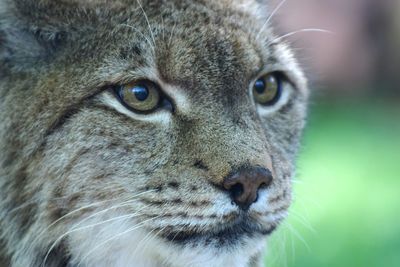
140 96
267 89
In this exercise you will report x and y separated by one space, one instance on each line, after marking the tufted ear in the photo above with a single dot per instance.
30 31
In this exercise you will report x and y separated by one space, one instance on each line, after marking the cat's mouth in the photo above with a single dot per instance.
221 235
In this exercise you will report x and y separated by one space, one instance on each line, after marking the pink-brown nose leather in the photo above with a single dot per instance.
244 185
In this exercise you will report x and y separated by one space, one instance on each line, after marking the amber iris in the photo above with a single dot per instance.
141 96
267 89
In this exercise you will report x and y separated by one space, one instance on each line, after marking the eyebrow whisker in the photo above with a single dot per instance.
300 31
270 17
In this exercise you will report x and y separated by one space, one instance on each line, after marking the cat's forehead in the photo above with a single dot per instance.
201 43
210 53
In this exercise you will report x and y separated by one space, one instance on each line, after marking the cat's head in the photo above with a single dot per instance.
146 131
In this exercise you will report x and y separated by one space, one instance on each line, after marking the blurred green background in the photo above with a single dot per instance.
346 209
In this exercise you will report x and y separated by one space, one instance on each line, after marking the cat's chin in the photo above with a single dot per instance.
224 248
141 248
220 236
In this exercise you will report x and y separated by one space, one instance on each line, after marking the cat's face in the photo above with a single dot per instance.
131 120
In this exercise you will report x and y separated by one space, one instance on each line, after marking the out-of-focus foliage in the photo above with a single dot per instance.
346 210
347 192
363 50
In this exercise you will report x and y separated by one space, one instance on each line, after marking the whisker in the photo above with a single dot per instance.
122 204
22 206
297 181
163 28
300 31
147 20
131 199
301 219
297 234
277 251
32 202
293 249
150 236
139 225
144 36
172 33
284 252
73 229
269 18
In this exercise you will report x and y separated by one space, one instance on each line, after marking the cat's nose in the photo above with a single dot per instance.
244 185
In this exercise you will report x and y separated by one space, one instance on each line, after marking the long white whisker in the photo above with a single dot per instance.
300 31
144 36
296 180
297 234
147 20
116 236
269 18
131 198
163 28
172 33
283 247
74 229
150 236
301 219
22 206
277 249
122 204
70 214
32 202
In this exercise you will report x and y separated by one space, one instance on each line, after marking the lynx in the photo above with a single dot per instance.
144 132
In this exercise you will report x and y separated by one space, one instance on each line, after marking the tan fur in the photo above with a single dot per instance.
68 148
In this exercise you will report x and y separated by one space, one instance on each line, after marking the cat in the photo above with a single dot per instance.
144 132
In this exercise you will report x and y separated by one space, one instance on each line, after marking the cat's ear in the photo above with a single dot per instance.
30 31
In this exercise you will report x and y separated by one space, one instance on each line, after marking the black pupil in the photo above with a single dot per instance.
260 86
141 92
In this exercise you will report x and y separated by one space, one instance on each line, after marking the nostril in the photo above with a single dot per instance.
236 190
244 185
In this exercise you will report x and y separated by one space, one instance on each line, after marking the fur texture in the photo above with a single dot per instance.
86 182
